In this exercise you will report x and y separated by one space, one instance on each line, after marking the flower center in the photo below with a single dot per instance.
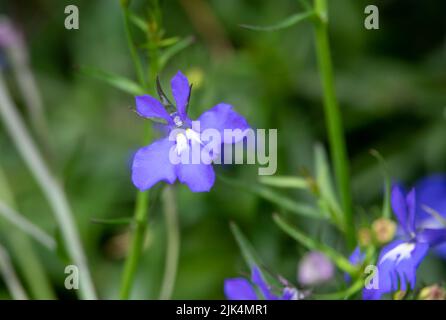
177 120
399 253
182 140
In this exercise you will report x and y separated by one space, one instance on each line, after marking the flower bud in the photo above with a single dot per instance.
364 237
383 230
434 292
315 268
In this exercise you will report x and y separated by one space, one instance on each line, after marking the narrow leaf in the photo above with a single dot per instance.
311 244
285 23
276 198
116 81
246 248
387 211
138 22
325 183
250 256
284 182
174 49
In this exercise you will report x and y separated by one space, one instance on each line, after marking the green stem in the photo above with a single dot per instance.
132 48
140 225
173 244
333 118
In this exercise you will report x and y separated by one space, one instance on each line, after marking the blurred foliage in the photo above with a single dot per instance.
391 85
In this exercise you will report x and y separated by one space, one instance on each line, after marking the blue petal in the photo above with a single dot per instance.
399 206
239 289
431 192
396 274
151 164
411 208
432 237
149 107
290 294
440 250
223 117
181 92
257 278
198 177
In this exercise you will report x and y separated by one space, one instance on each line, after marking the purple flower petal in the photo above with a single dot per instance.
257 278
151 164
239 289
290 294
223 117
431 192
314 269
399 206
432 237
411 208
397 266
198 177
181 92
149 107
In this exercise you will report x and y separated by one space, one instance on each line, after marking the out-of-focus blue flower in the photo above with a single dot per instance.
256 289
315 268
399 260
153 163
431 193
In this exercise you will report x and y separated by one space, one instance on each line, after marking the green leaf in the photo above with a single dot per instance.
342 295
138 22
276 198
117 221
285 23
116 81
324 182
387 211
250 256
168 42
173 50
246 248
311 244
284 182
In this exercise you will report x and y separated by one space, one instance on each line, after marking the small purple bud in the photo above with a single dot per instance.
9 35
314 268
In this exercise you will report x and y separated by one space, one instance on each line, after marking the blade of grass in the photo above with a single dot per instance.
285 23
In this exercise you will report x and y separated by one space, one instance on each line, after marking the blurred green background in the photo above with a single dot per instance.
391 84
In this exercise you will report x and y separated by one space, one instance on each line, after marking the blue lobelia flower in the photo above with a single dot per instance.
431 195
154 163
399 260
257 289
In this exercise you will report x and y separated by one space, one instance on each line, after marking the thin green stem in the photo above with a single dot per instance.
132 48
173 244
140 227
142 199
333 119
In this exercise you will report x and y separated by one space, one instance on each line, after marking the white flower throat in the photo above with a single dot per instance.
399 253
183 138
